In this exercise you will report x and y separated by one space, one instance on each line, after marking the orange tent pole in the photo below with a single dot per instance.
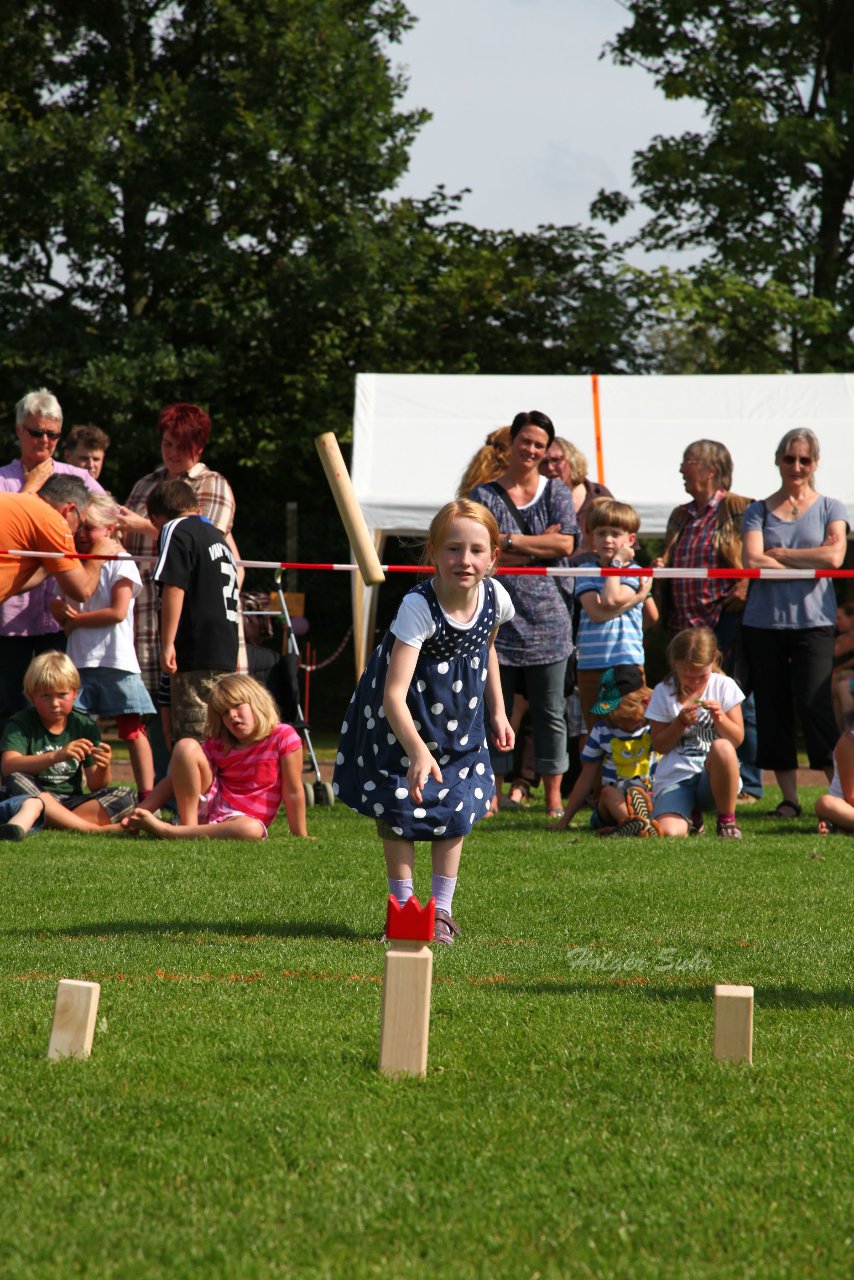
597 427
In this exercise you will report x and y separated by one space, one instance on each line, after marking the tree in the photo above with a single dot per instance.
190 193
766 191
197 207
470 300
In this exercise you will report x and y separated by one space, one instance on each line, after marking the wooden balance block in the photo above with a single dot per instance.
733 1023
74 1017
407 982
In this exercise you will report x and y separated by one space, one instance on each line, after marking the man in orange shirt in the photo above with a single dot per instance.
45 521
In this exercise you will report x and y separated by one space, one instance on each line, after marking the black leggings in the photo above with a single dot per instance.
791 667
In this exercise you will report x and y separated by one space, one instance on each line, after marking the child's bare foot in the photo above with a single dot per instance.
143 820
825 828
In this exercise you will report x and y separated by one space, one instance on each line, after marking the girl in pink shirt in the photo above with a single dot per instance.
230 786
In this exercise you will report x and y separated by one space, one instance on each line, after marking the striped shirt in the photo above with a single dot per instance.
627 756
250 777
609 644
698 602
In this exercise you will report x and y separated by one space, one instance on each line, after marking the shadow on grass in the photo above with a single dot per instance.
243 929
779 997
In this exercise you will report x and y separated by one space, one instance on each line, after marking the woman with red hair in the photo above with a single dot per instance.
184 432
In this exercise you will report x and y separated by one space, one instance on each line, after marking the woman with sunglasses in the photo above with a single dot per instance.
789 625
27 626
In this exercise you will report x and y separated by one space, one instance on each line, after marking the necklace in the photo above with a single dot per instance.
795 509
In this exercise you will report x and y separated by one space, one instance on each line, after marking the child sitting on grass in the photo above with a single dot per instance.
835 810
230 786
48 748
619 751
696 722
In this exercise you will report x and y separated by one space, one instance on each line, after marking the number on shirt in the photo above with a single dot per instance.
229 590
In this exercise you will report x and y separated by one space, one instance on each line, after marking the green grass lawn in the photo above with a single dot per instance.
231 1121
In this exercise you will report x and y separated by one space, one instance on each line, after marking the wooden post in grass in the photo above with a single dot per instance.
733 1023
74 1017
348 508
407 979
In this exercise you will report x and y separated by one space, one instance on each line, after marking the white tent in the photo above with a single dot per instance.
413 435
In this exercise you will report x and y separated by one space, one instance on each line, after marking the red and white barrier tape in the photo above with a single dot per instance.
536 571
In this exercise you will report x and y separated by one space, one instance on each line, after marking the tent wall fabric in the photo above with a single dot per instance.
413 435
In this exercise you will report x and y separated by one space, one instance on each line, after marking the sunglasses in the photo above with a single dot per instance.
791 458
38 432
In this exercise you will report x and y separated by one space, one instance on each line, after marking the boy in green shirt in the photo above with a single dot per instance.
48 749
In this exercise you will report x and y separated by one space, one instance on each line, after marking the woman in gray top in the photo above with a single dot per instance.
537 520
789 625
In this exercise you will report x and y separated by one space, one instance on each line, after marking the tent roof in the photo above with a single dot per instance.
414 434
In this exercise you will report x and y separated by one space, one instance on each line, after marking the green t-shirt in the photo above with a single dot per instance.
25 732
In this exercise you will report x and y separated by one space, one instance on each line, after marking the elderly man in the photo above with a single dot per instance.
706 533
27 626
45 522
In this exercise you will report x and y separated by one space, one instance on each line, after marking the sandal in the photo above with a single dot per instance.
445 928
696 825
796 810
554 813
637 803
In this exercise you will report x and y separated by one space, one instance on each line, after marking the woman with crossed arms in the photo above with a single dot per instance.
789 626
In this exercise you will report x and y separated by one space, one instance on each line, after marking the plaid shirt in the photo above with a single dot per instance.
698 602
217 504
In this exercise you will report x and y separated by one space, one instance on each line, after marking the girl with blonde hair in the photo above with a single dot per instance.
696 725
230 786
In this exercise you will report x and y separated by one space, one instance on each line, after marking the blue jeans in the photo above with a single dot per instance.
543 687
751 774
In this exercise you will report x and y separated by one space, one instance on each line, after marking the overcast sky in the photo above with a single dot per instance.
524 111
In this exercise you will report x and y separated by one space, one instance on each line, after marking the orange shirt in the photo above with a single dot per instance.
28 523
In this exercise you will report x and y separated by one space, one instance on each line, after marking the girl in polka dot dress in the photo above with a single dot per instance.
413 753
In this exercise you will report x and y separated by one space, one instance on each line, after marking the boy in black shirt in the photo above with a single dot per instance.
197 578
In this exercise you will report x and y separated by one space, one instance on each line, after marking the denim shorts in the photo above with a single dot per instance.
9 809
684 797
106 691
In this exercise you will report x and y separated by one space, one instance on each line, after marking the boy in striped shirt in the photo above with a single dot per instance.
610 629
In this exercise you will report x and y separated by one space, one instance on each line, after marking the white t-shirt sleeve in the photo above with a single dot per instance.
663 706
504 606
129 570
725 691
413 623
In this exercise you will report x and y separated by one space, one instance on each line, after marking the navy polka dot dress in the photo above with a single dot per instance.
446 699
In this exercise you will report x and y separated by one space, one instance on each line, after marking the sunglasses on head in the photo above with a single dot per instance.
38 432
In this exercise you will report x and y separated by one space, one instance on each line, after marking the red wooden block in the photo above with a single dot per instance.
413 922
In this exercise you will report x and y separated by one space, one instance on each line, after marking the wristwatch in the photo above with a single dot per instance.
616 563
508 542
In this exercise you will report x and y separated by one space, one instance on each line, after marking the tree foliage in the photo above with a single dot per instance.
198 205
191 192
765 191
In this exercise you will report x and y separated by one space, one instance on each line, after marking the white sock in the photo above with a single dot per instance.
443 891
400 889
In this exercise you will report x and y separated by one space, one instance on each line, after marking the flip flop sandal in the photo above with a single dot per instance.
786 804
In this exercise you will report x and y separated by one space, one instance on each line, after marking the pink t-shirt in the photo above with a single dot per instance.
250 778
